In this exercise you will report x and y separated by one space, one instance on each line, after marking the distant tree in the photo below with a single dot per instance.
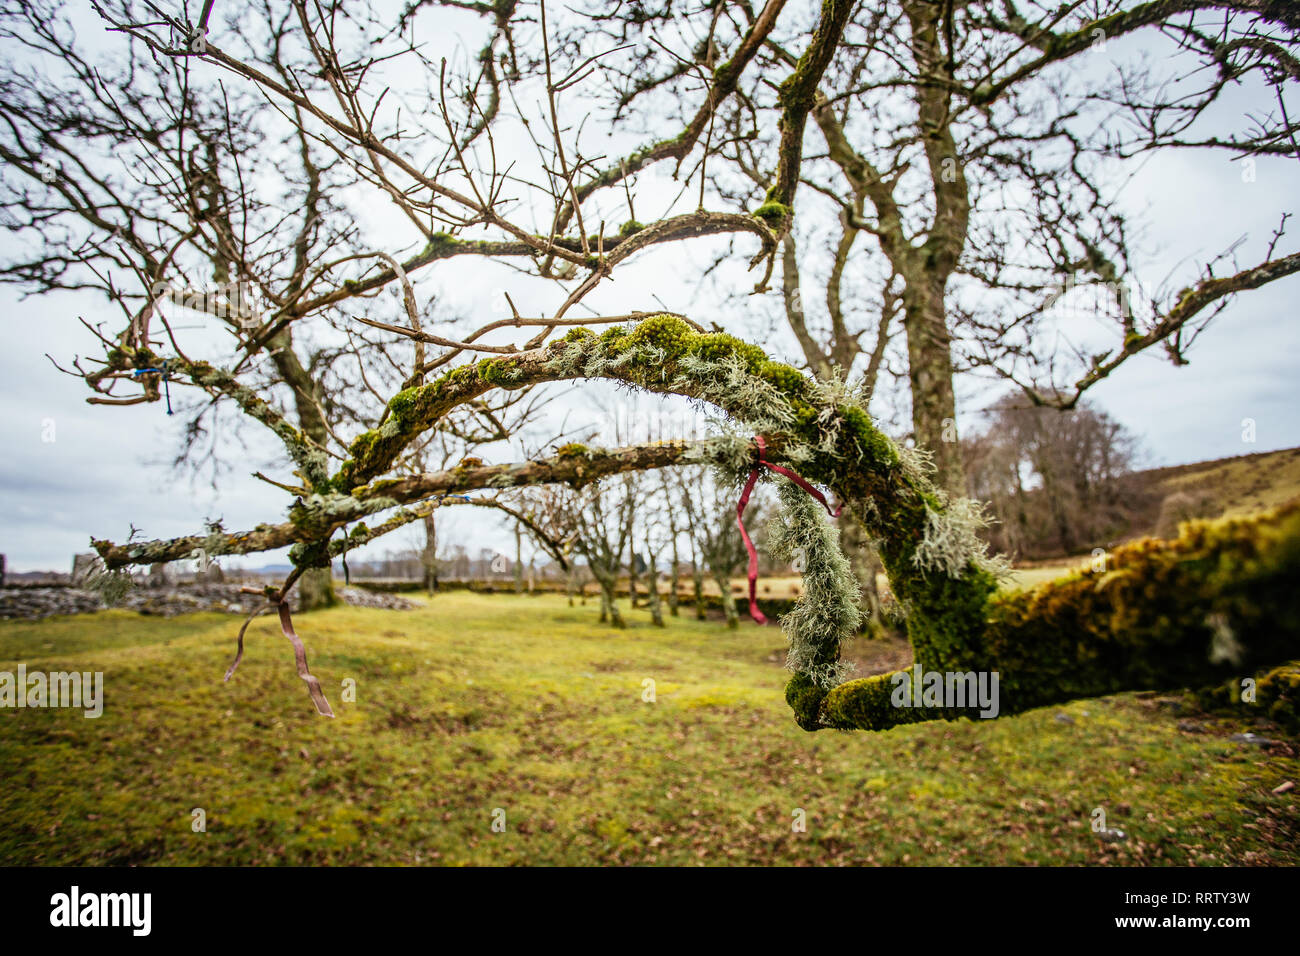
711 505
602 517
1057 481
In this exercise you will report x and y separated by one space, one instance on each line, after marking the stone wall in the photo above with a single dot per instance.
37 602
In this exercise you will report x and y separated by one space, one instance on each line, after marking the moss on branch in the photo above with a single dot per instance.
1157 617
1217 603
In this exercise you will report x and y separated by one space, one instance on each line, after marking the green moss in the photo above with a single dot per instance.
439 246
613 337
666 332
875 443
1278 695
773 213
363 445
1149 621
719 346
630 228
573 450
404 402
785 378
805 698
494 371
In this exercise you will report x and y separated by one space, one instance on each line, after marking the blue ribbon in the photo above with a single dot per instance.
165 372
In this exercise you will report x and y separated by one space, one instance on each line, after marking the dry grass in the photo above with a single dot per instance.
1239 486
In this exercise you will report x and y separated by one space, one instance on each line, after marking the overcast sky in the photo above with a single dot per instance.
72 470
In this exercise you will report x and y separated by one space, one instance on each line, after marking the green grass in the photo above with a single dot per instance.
1023 579
475 703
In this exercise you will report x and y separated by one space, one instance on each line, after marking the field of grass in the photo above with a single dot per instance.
1238 486
475 704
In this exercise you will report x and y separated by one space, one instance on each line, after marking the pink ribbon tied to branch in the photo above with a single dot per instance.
759 464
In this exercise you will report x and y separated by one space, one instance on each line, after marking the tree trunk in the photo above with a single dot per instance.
697 580
609 612
429 556
934 407
866 565
316 589
652 592
609 604
728 602
316 586
926 270
519 561
632 578
672 590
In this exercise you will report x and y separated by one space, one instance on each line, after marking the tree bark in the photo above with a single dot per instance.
316 589
632 578
927 270
866 566
429 556
929 354
519 561
728 602
652 592
609 613
697 582
316 586
673 598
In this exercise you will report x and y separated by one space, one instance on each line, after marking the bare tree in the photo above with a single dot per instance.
155 187
1056 480
711 505
967 193
670 508
601 516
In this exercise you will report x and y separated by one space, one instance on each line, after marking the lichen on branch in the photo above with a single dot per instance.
1142 624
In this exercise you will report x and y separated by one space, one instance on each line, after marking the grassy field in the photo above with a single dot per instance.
475 704
1239 486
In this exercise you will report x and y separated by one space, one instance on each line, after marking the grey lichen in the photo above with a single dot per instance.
324 511
1224 646
827 612
918 463
951 542
111 586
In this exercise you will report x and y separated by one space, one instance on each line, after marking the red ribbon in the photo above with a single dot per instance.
759 464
